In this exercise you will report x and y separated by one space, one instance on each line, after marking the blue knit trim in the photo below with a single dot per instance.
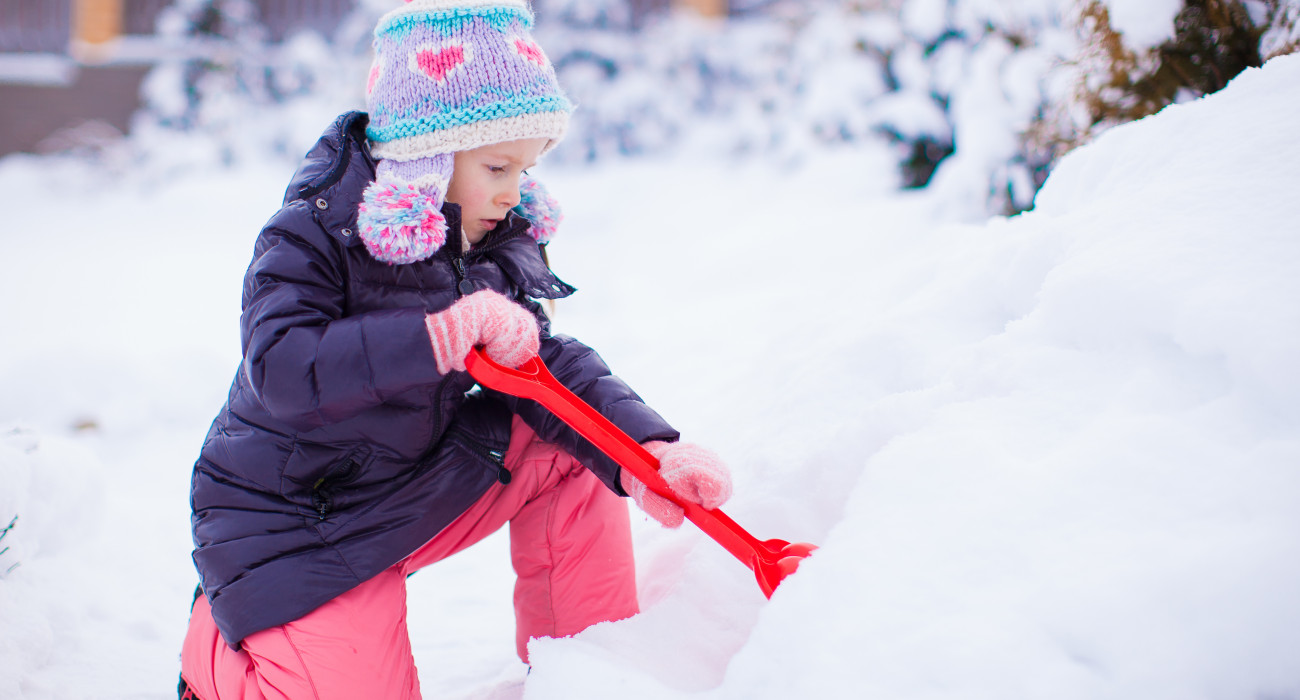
499 17
498 110
429 104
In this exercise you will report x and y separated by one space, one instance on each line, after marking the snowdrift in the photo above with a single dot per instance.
1052 456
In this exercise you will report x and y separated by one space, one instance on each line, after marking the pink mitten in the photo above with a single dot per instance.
507 331
692 472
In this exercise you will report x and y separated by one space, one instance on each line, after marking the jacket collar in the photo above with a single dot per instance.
520 256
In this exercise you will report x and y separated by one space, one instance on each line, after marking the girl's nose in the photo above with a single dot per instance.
509 197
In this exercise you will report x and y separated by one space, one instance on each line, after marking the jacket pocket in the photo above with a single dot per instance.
326 491
491 457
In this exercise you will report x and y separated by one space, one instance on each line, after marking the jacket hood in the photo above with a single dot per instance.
333 174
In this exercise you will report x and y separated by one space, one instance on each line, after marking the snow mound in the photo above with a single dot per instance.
1068 441
48 500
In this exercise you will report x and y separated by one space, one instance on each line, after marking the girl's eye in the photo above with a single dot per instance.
497 168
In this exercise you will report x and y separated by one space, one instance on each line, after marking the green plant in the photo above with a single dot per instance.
4 550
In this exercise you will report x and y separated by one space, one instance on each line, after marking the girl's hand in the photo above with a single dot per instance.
506 330
694 473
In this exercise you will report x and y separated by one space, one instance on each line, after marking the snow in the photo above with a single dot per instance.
1055 455
44 69
925 19
1143 23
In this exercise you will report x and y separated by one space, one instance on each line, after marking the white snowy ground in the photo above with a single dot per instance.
1056 456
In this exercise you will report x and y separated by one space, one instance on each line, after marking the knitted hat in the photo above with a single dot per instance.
450 75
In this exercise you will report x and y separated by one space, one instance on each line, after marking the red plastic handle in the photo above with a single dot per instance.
771 560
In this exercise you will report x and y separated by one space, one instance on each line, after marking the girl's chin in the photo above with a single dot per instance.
476 232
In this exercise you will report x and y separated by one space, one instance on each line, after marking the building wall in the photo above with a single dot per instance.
139 17
35 25
34 116
96 88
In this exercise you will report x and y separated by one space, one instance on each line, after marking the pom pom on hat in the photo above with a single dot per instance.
400 216
399 224
540 208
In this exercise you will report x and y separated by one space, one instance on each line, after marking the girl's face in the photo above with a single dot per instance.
485 183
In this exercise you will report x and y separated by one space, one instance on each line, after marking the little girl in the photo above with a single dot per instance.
353 448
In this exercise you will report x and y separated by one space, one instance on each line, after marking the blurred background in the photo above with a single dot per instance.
992 91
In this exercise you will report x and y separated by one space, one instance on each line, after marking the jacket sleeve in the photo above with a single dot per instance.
583 372
309 364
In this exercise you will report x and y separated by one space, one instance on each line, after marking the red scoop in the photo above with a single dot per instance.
771 560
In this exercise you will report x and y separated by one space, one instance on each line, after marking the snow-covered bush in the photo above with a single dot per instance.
221 35
228 92
1281 30
951 81
934 77
1134 59
985 67
780 79
589 14
978 98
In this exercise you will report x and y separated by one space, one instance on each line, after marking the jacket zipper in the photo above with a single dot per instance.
463 286
496 457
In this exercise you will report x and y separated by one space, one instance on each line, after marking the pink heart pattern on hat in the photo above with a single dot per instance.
440 62
531 51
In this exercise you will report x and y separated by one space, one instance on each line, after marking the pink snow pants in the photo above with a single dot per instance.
571 546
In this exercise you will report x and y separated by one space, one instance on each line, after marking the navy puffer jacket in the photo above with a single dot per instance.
340 449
